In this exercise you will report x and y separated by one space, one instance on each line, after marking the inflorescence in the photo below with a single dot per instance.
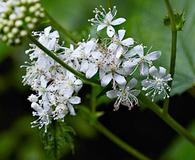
116 62
17 18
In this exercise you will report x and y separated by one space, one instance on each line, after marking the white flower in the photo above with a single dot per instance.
125 95
110 71
143 60
119 45
43 113
63 109
54 85
105 20
158 84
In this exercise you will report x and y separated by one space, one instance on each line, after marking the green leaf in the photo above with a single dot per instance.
180 148
145 24
58 140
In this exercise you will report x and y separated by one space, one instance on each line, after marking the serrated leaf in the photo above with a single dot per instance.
58 140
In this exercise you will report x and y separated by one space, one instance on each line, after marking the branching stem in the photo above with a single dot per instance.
173 49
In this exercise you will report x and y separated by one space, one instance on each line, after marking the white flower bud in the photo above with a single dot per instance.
18 23
23 33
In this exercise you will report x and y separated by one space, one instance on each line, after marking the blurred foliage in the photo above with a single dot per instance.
21 142
180 148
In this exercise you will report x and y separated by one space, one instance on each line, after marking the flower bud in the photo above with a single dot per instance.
19 16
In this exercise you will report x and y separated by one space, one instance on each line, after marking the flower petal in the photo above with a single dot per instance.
121 34
153 56
118 21
132 83
154 72
120 79
106 79
110 31
128 67
144 69
119 51
162 71
135 92
84 66
100 27
128 42
112 94
92 70
139 49
75 100
71 109
109 17
47 30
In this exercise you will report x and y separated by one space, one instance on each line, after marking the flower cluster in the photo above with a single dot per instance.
17 17
55 87
117 62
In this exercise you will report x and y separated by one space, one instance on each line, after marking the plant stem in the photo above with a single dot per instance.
120 142
109 3
173 49
61 62
167 118
61 29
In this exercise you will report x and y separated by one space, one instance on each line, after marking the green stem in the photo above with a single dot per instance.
109 3
167 118
61 29
120 142
173 50
61 62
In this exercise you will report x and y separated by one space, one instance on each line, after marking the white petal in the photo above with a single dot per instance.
96 55
145 83
139 49
106 79
144 69
47 30
119 51
36 107
153 56
78 84
109 16
89 46
110 31
101 26
128 67
132 83
51 44
71 109
112 94
118 21
75 100
162 71
121 34
128 42
167 78
135 92
54 34
120 79
112 47
153 71
92 70
84 66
